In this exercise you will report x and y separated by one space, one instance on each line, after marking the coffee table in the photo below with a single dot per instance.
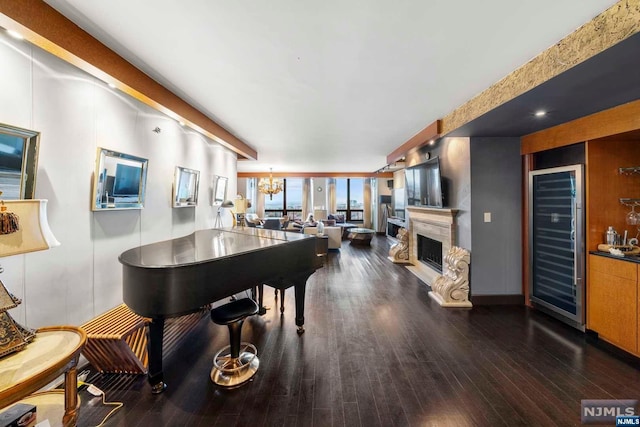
361 236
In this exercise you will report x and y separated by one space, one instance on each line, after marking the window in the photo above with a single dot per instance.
287 202
350 198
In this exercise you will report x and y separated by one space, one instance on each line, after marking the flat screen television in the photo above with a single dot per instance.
423 184
127 181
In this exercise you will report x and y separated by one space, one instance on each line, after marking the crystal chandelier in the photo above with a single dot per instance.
270 187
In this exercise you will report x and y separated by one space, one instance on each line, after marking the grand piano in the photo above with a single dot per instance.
180 276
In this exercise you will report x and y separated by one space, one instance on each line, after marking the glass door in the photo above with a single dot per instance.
556 239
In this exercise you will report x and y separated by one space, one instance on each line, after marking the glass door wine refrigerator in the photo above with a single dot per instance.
556 239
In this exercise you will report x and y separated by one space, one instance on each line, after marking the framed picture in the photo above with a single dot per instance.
185 187
18 162
219 189
119 181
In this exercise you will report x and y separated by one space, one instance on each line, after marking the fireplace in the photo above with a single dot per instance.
430 252
439 226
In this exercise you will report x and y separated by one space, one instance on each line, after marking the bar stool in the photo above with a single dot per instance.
233 365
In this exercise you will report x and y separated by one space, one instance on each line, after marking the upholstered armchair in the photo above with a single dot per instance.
252 220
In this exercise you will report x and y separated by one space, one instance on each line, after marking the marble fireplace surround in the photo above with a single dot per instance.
434 223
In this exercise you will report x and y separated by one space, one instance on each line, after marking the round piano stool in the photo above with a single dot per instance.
238 362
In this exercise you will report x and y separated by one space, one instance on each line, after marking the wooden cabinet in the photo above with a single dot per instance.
612 308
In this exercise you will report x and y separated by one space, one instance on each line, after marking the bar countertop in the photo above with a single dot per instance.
630 258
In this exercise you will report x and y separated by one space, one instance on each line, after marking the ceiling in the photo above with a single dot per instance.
335 86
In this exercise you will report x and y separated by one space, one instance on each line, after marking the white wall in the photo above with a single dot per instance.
75 114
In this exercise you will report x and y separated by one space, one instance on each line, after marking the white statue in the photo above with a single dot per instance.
452 288
399 252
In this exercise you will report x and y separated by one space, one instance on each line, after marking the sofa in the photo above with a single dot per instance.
340 222
333 233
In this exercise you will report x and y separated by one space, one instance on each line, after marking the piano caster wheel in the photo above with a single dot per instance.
263 310
300 330
158 388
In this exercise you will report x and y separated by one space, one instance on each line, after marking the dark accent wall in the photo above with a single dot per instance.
496 187
456 180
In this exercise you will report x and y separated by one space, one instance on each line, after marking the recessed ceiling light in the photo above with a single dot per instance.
432 141
15 34
111 85
181 123
540 113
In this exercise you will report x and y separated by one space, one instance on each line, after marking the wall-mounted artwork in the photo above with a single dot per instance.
119 181
18 162
185 187
219 189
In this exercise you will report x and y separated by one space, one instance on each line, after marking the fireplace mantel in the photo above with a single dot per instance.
437 224
444 212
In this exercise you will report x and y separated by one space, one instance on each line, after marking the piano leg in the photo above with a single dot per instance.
154 346
257 293
282 301
300 288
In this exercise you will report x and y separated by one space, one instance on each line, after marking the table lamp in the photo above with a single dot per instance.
240 209
225 205
23 228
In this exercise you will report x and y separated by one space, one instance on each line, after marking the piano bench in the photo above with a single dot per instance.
117 342
117 339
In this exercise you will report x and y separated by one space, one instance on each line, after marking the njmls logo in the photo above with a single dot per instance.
601 411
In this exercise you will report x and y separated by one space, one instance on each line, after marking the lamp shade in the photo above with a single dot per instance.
241 205
34 233
227 204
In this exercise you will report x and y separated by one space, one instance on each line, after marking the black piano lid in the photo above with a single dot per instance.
206 245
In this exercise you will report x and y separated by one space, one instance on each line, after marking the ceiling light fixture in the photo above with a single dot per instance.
270 187
181 123
540 113
111 85
432 141
15 34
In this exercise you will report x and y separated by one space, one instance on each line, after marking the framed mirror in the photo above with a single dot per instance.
185 187
119 181
18 162
219 189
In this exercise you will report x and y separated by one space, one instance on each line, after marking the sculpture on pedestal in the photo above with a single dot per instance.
399 252
452 288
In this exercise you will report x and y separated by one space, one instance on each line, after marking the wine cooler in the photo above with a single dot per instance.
556 239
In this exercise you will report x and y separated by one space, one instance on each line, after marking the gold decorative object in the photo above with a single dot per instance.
270 187
9 222
13 336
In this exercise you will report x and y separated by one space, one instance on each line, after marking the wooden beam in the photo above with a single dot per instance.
431 132
620 119
46 28
316 175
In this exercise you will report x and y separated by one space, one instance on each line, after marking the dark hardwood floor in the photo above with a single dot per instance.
379 352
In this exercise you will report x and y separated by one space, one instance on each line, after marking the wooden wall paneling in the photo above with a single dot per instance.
527 166
605 186
431 132
613 311
620 119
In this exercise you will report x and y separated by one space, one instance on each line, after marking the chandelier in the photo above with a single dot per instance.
270 187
